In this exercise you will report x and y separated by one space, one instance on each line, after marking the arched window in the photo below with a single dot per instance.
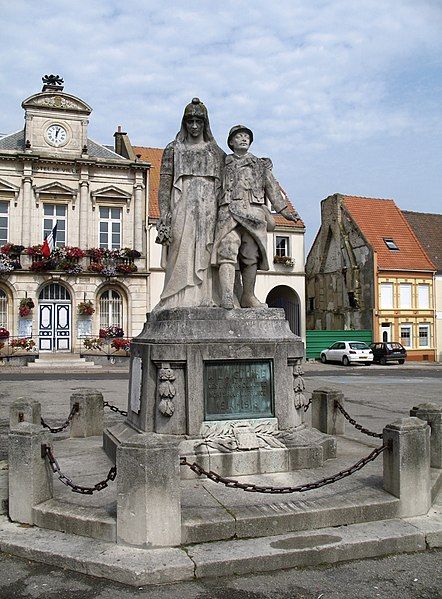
111 309
54 292
3 309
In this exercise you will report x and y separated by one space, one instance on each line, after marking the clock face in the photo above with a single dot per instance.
56 135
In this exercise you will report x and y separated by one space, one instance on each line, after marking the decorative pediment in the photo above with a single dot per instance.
9 190
57 101
55 190
111 194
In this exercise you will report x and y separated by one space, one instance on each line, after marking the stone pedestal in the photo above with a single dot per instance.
407 465
30 476
227 383
149 494
25 409
88 421
325 416
432 414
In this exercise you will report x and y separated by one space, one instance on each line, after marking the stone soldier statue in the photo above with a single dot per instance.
243 218
190 186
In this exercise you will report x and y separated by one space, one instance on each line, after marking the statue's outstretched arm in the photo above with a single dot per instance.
275 196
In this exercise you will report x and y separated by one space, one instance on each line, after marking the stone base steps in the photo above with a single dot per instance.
153 566
62 362
86 521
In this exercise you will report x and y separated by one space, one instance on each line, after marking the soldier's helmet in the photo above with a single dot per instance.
238 129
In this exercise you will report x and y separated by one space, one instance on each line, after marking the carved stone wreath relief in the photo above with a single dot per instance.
166 390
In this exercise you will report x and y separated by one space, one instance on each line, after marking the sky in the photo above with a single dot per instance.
343 95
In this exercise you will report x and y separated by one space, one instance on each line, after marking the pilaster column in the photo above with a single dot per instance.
138 217
84 193
26 210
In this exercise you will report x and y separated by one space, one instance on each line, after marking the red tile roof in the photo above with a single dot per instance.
380 219
154 156
428 229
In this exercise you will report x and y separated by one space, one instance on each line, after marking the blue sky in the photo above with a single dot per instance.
344 96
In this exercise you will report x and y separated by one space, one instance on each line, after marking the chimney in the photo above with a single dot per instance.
123 147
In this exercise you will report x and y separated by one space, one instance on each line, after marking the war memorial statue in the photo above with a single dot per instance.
214 367
244 218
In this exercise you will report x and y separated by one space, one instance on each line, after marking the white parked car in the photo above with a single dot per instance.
348 352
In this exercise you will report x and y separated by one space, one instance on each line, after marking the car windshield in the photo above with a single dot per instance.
394 346
359 345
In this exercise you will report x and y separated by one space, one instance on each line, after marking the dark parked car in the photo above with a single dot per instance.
388 352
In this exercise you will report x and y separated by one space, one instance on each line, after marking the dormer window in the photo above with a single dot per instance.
389 242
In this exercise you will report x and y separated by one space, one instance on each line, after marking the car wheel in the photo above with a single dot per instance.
345 361
323 359
382 361
401 361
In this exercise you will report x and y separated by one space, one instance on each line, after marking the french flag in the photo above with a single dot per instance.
49 242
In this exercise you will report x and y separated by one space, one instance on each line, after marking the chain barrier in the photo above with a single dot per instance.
47 452
252 488
307 405
57 429
353 422
106 404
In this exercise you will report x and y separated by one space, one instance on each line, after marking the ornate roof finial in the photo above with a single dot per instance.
52 82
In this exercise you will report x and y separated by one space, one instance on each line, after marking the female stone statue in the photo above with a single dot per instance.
190 185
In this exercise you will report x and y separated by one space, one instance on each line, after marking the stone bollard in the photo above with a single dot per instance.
407 465
148 491
24 409
325 417
30 475
88 421
432 414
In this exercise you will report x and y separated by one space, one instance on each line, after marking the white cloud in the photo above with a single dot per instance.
306 75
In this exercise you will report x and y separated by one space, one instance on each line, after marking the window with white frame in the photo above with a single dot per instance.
55 214
406 335
405 295
3 309
423 296
424 335
110 228
386 296
111 309
282 246
4 222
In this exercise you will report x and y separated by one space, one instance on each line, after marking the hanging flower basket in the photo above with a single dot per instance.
121 344
4 333
126 269
42 265
25 307
22 343
11 249
111 332
86 308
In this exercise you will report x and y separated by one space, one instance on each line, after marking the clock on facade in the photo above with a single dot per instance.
56 135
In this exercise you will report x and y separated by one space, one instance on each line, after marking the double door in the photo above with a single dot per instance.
54 329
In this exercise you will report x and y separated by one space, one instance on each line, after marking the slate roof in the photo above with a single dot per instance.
13 141
16 142
380 219
428 229
154 156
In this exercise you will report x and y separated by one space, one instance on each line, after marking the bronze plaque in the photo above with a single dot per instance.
238 389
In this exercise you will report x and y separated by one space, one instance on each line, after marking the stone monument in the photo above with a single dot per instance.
213 367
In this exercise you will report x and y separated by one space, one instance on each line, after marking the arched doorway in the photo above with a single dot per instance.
54 318
285 297
3 308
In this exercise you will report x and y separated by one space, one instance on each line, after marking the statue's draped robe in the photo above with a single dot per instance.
196 172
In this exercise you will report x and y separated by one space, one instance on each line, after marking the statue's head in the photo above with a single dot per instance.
194 118
237 133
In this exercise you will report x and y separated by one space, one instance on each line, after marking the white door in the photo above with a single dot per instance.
385 332
54 319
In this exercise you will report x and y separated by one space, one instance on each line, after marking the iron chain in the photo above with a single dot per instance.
106 404
57 429
352 421
307 405
251 488
47 451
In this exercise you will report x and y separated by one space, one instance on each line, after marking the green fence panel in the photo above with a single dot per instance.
319 340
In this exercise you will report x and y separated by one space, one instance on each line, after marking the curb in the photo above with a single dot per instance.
155 566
